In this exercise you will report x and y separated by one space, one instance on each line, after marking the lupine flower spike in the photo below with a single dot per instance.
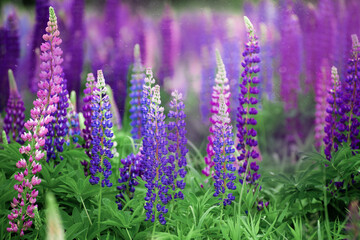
224 158
137 81
331 115
221 87
49 87
87 110
177 143
101 134
128 175
73 119
14 118
154 153
247 108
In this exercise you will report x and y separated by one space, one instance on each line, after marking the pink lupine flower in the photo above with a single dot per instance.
23 205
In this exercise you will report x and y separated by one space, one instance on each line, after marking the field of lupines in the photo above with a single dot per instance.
165 122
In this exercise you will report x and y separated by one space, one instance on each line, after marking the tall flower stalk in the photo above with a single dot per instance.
221 87
89 92
49 87
137 81
247 109
224 158
154 153
14 118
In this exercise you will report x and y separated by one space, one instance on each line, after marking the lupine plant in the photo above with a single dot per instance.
41 115
221 87
15 113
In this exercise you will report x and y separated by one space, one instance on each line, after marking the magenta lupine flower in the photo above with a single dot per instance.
322 86
289 60
247 109
49 87
87 111
14 118
221 87
333 101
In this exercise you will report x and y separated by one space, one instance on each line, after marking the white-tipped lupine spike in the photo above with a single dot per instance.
355 42
248 24
137 51
334 74
156 95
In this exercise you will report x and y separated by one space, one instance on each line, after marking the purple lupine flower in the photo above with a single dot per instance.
353 80
221 87
11 55
58 128
247 108
89 92
23 204
154 153
321 104
74 70
168 46
224 158
137 81
207 82
289 60
333 101
178 141
14 118
73 119
101 134
128 175
42 14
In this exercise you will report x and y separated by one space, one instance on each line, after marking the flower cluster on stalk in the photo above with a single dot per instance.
24 203
58 128
177 143
102 135
128 175
137 81
223 146
247 109
221 87
89 92
14 118
162 163
73 119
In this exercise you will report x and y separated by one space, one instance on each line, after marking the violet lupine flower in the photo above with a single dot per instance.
333 101
89 92
137 81
73 119
353 80
11 49
58 128
128 175
14 118
221 87
289 60
321 104
224 158
42 14
49 86
247 108
178 141
102 134
168 46
73 73
154 153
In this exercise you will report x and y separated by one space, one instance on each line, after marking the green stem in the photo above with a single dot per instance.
325 206
128 234
87 214
99 215
153 231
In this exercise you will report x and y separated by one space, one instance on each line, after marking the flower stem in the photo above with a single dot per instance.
99 215
87 214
